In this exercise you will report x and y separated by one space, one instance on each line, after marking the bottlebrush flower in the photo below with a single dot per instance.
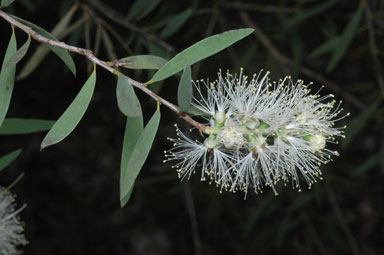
260 132
10 227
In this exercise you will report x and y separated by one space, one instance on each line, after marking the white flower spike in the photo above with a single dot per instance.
262 132
11 228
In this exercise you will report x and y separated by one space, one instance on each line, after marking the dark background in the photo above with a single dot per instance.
72 189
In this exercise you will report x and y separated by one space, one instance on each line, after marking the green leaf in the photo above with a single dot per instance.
196 112
284 227
310 12
28 5
24 126
138 7
7 78
184 93
368 164
62 25
72 116
259 212
199 51
302 200
345 39
42 51
8 159
356 125
20 53
329 45
16 181
139 154
133 129
61 53
5 3
126 98
175 23
140 62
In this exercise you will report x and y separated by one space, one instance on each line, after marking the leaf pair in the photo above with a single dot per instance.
137 139
61 53
339 44
136 146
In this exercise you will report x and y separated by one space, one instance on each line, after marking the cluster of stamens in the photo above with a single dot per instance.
260 132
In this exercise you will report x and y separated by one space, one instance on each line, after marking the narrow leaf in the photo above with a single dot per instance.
329 45
72 116
368 164
345 39
64 22
16 181
24 126
138 7
356 125
126 98
8 159
184 93
175 23
7 78
133 129
5 3
258 212
199 51
139 154
310 12
140 62
20 53
61 53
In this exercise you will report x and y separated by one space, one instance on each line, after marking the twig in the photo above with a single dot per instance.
285 60
89 55
339 216
119 19
192 217
373 49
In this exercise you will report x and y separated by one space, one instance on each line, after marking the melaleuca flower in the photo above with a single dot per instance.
260 132
10 227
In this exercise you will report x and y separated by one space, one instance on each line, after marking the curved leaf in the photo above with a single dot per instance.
199 51
138 7
310 12
8 158
5 3
20 53
184 93
7 78
24 126
345 39
133 129
41 52
175 23
72 116
126 98
140 62
325 47
61 53
139 155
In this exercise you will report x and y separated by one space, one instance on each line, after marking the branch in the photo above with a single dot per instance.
91 57
285 60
